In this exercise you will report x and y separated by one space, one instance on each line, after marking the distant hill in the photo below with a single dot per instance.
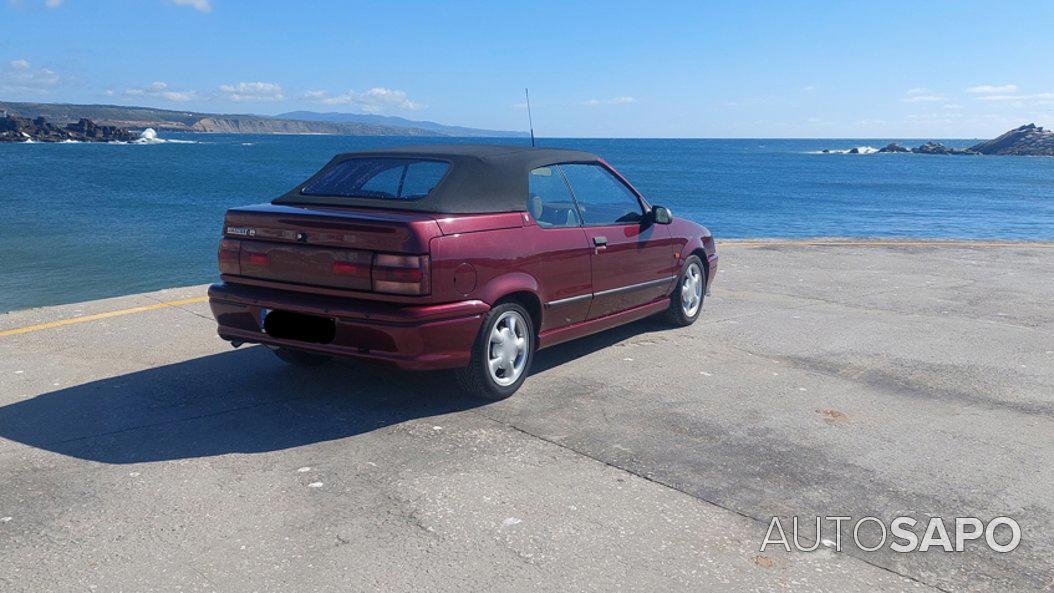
190 121
399 122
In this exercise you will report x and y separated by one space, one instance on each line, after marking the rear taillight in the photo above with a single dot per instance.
401 274
346 268
229 254
257 259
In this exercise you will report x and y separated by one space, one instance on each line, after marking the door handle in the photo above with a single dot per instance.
600 241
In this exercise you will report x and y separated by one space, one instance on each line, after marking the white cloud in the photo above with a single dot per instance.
253 91
922 95
1037 98
989 89
198 5
28 4
160 90
611 101
20 76
373 100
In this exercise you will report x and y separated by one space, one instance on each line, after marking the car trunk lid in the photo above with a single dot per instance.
335 247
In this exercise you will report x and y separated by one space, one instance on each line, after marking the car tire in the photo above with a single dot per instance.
686 303
500 362
300 358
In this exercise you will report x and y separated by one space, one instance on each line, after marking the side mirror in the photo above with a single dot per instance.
661 215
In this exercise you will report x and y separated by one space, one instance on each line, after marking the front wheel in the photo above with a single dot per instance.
502 354
687 300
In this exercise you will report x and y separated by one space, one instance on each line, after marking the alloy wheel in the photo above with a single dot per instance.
692 290
507 351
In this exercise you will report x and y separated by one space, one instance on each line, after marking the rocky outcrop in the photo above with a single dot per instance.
938 148
18 129
893 147
1028 140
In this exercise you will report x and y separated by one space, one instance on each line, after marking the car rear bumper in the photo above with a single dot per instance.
416 337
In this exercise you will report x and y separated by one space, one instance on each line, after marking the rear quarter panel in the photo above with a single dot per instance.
490 264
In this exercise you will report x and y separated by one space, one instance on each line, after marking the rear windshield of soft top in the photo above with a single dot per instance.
386 178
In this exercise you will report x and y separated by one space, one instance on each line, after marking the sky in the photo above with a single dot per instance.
890 69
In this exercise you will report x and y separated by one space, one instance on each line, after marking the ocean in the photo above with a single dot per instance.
86 221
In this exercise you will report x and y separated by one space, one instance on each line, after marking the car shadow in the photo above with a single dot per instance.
244 401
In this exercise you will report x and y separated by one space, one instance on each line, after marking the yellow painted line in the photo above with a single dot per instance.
886 243
86 318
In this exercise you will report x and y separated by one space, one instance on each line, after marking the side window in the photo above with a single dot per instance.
601 197
549 200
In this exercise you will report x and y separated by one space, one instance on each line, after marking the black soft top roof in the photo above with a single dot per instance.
481 178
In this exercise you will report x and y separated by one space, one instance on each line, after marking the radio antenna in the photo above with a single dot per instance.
530 120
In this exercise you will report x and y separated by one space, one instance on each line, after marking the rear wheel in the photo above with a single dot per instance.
687 300
300 358
502 354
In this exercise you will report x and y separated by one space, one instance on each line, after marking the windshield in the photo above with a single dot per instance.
378 177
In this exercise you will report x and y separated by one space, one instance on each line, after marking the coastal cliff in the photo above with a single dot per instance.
167 120
255 125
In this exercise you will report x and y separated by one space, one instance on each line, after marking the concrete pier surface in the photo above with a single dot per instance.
138 452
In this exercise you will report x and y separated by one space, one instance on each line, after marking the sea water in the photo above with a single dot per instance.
85 221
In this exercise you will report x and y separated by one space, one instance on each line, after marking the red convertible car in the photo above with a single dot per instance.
467 257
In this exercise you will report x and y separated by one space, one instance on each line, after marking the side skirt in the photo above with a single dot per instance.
592 326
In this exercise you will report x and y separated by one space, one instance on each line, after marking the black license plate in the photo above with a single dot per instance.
288 325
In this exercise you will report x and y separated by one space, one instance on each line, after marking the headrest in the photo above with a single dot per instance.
534 206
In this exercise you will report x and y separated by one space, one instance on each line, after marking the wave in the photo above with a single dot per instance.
149 136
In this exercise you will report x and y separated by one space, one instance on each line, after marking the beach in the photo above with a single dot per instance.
852 377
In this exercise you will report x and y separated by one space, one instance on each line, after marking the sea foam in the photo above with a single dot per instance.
149 136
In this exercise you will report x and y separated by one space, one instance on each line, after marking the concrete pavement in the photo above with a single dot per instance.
138 452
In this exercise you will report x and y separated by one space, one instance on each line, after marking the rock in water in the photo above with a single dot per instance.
18 129
893 147
938 148
1028 140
